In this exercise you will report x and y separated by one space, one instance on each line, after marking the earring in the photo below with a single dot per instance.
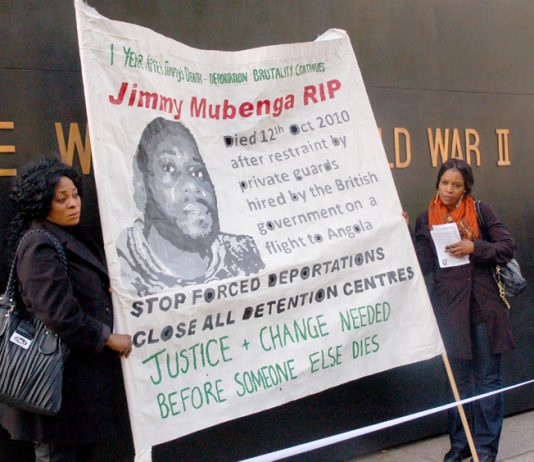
437 195
460 201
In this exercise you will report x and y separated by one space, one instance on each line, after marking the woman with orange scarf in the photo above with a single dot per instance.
473 320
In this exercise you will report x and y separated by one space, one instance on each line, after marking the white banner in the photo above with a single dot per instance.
253 232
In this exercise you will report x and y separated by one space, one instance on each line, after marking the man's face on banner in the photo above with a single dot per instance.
181 198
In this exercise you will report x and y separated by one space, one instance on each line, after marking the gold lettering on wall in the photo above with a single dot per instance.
75 140
397 133
439 142
407 148
472 147
503 137
438 145
7 149
456 151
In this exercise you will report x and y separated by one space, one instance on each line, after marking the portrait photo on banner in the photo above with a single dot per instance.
178 241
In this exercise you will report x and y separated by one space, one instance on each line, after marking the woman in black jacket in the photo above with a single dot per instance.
473 319
76 305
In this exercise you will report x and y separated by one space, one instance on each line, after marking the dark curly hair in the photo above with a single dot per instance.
33 193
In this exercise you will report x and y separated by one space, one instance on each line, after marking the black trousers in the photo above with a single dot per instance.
480 375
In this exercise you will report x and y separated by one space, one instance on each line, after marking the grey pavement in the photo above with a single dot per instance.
517 445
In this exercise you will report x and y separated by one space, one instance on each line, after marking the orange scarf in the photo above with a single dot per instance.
464 215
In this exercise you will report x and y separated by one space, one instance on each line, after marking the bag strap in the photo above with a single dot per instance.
495 269
482 222
10 288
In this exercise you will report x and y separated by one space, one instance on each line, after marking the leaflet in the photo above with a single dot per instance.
443 236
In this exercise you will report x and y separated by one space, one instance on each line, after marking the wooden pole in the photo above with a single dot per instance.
463 417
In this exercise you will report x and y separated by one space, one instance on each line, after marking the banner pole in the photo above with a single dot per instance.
457 398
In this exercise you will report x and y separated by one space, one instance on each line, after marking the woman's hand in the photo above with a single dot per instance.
461 248
121 343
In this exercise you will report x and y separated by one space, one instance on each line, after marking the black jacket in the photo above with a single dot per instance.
454 287
76 306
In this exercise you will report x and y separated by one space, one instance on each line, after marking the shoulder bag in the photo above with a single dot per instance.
508 277
31 356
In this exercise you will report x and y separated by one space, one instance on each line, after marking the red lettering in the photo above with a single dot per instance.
246 109
229 110
333 86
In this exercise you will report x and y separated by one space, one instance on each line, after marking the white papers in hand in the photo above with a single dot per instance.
444 235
